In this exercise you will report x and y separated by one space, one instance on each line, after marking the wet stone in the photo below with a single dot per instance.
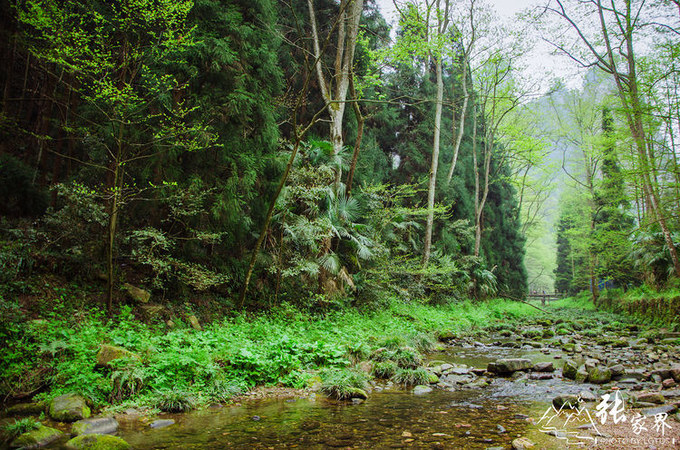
544 367
650 397
99 425
665 409
566 401
161 423
507 366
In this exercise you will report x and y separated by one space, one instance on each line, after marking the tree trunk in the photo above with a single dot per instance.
435 162
360 134
461 125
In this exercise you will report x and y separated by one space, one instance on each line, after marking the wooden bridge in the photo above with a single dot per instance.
546 297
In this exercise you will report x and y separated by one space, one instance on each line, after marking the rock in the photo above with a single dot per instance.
108 353
501 429
566 401
597 375
69 408
675 393
668 383
37 438
617 370
97 442
665 409
587 396
25 409
541 376
161 423
675 373
446 367
581 375
193 321
510 365
432 378
522 443
446 335
152 312
569 348
358 393
569 370
650 397
544 367
137 294
662 373
620 343
420 390
99 425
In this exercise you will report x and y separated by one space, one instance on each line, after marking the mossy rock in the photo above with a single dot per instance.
599 376
446 335
37 438
432 378
26 409
108 353
569 370
97 442
548 332
69 408
358 393
99 425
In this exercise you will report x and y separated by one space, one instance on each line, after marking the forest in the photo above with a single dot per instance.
202 198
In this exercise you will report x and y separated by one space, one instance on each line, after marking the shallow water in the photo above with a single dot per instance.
390 419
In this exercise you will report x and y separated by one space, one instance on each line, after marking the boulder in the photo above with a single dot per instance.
358 393
665 409
581 375
152 312
69 408
598 375
544 367
432 378
617 370
569 370
650 397
137 294
566 401
161 423
37 438
193 321
510 365
420 390
97 442
99 425
25 409
108 353
675 373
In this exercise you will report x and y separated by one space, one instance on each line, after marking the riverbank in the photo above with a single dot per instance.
468 387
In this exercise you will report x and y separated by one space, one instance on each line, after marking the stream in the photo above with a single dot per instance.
470 407
394 417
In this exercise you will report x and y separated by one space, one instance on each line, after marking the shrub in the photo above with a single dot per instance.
407 357
411 377
174 401
384 369
342 383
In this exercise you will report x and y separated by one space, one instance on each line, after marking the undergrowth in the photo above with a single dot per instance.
284 347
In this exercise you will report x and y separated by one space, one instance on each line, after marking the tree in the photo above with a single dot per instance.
609 35
334 89
115 56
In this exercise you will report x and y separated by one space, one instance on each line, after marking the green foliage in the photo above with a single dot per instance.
384 369
174 401
341 384
411 376
19 427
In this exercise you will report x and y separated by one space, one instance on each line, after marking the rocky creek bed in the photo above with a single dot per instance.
548 384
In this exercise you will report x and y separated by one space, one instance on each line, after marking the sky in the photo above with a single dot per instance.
540 63
506 8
